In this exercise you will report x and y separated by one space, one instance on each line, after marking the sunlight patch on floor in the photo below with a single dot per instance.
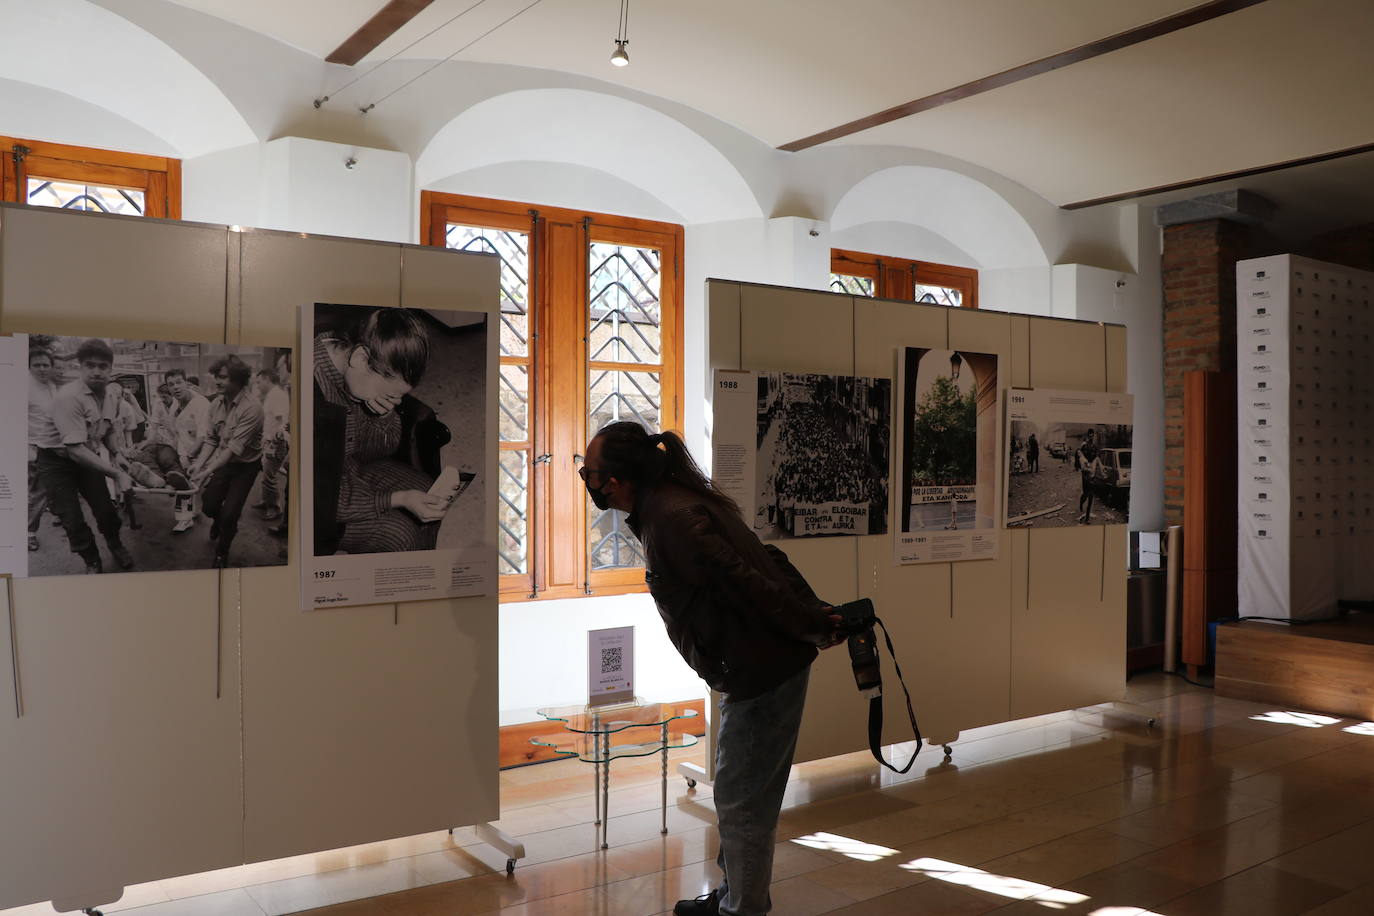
854 849
1003 886
1305 719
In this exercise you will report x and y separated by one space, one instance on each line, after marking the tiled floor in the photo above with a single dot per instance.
1223 807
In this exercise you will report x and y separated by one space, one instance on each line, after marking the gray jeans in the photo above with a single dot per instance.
754 751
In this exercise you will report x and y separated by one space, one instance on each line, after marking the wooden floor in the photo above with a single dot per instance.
1327 665
1225 807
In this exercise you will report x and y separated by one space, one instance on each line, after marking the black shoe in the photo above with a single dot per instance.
94 569
705 905
177 481
221 561
121 556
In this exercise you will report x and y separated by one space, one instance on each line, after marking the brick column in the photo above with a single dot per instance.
1199 273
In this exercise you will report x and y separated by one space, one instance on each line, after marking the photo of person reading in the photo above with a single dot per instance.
377 447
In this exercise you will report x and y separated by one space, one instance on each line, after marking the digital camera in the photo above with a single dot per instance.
856 626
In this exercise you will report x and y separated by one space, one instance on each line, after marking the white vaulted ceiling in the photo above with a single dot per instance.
1282 80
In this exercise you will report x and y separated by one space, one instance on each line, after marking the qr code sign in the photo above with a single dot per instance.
611 659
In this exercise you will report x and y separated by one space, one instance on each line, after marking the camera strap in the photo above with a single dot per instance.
875 712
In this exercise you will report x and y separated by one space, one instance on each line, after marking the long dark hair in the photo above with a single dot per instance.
631 454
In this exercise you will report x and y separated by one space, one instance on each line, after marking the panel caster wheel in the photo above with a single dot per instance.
949 751
691 783
510 866
1150 722
92 911
450 831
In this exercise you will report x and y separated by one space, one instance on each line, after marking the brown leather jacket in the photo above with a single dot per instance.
737 610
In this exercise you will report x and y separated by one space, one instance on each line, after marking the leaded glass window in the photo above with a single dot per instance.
71 195
513 402
851 285
625 360
939 295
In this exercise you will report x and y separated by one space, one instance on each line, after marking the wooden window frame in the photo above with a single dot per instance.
896 278
158 177
557 548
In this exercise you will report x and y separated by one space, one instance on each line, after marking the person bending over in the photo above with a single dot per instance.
367 498
741 616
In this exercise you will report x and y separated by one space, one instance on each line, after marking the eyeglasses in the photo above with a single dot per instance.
583 471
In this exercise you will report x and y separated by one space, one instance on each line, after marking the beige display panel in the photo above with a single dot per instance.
980 641
172 723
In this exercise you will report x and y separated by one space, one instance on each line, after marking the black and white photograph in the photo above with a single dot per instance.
152 455
804 455
397 419
1068 458
947 496
822 465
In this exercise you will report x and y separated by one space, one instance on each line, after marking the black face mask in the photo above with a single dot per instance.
599 497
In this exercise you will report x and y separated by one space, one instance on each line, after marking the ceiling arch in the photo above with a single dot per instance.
639 145
88 53
964 211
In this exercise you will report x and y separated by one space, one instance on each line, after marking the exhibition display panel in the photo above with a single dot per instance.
176 722
1040 626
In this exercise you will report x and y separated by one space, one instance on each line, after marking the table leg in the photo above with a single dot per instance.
664 831
596 777
606 795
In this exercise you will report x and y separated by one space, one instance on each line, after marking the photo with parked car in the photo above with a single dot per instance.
1068 458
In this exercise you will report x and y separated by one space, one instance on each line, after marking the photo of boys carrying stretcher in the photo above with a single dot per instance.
150 455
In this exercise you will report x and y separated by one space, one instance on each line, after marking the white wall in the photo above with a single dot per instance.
310 189
544 653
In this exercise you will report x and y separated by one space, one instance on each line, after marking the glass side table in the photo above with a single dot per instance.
600 734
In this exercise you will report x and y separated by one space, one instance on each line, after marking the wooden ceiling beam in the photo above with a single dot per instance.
1224 176
1183 20
376 30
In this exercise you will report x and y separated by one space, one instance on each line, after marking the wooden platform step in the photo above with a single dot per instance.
1324 667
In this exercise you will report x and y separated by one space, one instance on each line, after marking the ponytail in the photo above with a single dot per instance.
632 454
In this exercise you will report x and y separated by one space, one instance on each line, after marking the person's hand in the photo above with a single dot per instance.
420 504
123 482
382 405
834 639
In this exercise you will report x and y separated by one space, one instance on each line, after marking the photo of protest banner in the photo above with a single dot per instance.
147 455
805 455
1068 458
947 456
394 408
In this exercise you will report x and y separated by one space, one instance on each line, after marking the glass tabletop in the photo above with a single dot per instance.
602 720
597 747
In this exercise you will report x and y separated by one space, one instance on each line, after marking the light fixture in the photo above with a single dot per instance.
955 361
621 57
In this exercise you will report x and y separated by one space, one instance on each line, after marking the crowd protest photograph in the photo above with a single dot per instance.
1068 458
822 455
155 455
